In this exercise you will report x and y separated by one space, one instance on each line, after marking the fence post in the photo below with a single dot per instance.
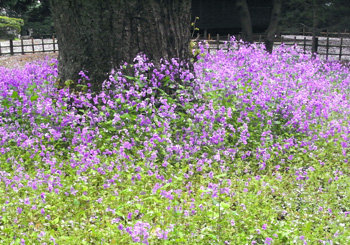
11 47
33 49
42 44
54 44
217 41
209 43
341 48
304 45
314 45
22 46
228 43
0 49
327 48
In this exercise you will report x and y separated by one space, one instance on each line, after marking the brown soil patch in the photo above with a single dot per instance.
15 61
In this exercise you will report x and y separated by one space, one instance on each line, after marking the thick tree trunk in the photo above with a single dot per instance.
273 26
246 23
97 36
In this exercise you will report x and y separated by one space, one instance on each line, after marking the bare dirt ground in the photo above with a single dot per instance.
20 60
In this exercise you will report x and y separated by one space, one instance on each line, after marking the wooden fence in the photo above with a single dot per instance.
326 47
31 45
306 32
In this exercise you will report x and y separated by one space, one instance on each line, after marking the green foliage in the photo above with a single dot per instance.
10 27
332 15
35 14
193 26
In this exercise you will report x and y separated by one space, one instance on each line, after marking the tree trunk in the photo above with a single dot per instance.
246 23
97 36
273 26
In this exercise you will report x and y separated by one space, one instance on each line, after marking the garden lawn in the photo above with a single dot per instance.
252 149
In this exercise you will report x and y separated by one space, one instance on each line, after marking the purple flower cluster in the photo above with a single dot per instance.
167 135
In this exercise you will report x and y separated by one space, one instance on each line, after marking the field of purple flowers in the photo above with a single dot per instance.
252 150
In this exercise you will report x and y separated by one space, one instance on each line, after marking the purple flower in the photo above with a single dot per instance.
73 191
26 201
268 240
162 234
117 220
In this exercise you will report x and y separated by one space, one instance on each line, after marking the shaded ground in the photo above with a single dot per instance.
20 60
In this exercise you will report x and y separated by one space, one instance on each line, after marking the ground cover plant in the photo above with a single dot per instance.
252 150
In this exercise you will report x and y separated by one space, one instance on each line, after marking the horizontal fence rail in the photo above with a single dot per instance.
27 46
305 32
326 47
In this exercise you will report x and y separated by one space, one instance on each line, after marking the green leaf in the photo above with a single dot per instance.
141 85
55 221
76 202
69 82
6 103
157 200
15 95
224 205
130 78
112 129
119 214
34 98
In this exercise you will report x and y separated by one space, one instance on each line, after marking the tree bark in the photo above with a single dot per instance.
246 23
97 36
273 26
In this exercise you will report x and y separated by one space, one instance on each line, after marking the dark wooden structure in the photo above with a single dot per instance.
221 16
328 48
